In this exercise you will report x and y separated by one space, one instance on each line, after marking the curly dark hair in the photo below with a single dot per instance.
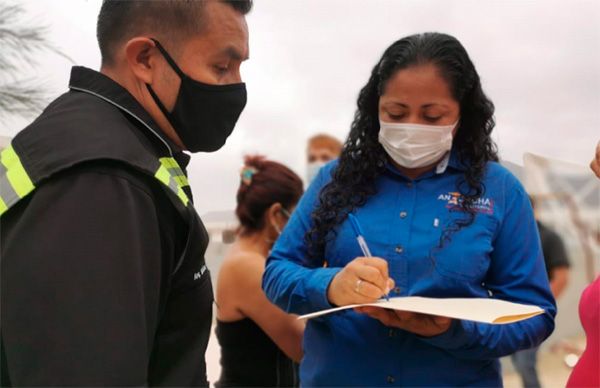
363 159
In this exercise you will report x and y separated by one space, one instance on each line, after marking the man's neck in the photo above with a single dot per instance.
141 95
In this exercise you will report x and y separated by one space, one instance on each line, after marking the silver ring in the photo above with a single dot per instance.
357 288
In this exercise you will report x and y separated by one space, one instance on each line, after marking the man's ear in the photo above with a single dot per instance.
142 58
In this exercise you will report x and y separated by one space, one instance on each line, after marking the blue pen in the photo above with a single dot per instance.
361 240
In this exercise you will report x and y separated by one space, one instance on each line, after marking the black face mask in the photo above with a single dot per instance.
204 115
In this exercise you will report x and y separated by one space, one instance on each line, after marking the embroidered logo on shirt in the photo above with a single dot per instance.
199 274
453 200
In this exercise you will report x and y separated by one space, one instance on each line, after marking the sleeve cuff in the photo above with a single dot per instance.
318 286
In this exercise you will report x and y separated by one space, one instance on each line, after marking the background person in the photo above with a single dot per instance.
557 268
595 163
259 342
321 149
586 372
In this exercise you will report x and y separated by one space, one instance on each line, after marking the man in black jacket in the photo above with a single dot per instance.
103 280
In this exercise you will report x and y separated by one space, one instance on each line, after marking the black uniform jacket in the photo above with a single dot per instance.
103 279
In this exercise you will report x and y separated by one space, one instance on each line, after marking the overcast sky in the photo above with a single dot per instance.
539 62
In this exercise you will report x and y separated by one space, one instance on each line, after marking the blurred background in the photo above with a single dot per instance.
538 60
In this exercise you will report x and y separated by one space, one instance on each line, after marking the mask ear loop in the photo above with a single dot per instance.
177 70
277 228
457 126
168 58
286 213
274 224
162 108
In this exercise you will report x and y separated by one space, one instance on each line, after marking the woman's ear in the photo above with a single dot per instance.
274 214
142 58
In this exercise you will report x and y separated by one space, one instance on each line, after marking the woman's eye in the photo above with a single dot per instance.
432 119
394 116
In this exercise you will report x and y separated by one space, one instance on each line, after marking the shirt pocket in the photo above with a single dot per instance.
463 252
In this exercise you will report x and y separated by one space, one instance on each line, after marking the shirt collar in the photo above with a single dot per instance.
454 162
97 84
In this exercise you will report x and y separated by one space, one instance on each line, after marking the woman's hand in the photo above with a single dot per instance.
420 324
363 280
595 165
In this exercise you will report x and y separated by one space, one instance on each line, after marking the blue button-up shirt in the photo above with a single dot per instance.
498 256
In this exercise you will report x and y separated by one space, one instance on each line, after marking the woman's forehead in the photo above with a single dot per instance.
422 85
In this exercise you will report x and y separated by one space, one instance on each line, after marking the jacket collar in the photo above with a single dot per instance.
95 83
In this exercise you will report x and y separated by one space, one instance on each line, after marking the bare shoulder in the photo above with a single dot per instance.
239 278
242 267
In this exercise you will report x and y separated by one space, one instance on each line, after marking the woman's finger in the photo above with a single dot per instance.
380 264
372 275
441 321
369 290
405 316
382 315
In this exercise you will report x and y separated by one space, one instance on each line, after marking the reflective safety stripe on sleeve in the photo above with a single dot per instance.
15 183
175 171
166 174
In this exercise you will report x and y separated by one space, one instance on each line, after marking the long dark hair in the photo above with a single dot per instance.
363 158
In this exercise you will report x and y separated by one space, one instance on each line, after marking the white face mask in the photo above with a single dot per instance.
415 145
312 170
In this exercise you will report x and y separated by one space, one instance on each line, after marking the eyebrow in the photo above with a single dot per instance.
424 106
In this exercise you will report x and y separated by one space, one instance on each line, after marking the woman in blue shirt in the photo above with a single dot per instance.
419 171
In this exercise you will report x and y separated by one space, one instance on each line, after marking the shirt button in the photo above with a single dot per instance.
396 290
399 249
409 184
391 379
403 214
392 333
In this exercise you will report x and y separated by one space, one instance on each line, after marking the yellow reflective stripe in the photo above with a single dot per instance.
16 174
175 171
168 162
181 180
3 207
181 194
15 183
163 175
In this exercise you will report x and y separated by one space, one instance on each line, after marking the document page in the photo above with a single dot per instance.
484 310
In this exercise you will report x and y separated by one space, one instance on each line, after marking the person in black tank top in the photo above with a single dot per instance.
260 344
248 355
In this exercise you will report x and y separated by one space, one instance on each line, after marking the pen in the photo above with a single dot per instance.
361 240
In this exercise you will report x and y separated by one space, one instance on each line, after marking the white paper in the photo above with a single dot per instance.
484 310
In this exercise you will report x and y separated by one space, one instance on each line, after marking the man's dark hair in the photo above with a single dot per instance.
120 20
